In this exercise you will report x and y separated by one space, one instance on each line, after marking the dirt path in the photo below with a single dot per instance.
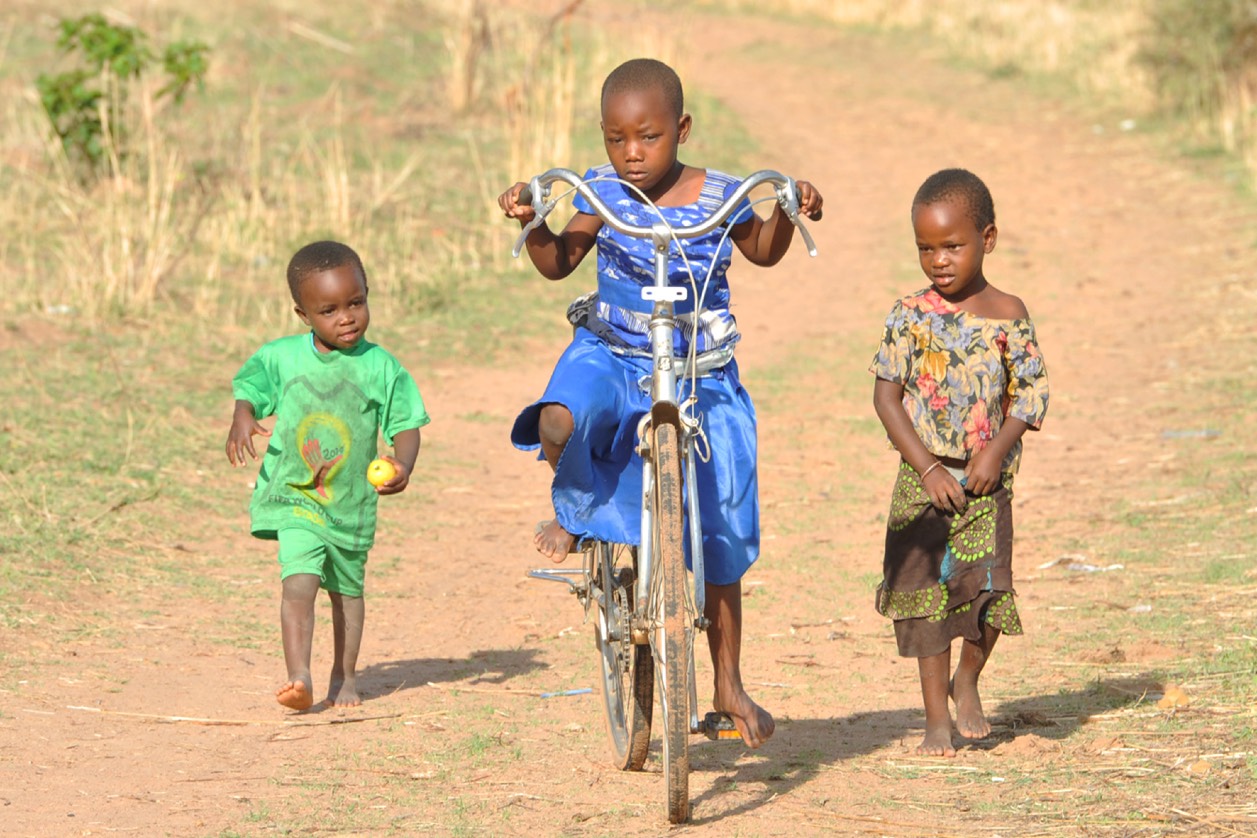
1124 261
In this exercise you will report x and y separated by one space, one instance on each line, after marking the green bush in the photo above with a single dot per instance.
85 104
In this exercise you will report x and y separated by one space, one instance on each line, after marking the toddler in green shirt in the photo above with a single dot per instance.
332 393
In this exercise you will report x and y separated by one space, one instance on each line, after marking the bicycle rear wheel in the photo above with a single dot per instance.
676 626
628 680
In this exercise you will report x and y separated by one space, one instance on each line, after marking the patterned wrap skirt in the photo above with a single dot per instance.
944 575
597 488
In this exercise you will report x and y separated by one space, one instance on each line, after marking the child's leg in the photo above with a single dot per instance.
934 683
348 615
296 619
724 638
555 427
970 720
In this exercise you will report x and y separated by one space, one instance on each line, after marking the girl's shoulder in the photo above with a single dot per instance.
994 305
999 305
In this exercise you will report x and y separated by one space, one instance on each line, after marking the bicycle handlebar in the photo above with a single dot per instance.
537 191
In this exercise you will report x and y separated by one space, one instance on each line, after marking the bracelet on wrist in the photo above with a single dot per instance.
937 464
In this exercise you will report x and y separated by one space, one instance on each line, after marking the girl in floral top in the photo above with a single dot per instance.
959 380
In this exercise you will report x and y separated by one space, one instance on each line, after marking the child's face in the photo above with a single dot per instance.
641 134
951 246
333 303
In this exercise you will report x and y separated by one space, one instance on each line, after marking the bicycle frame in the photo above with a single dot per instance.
649 600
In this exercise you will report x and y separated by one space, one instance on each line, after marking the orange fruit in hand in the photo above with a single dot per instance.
380 472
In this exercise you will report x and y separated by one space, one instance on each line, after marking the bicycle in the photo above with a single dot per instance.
646 612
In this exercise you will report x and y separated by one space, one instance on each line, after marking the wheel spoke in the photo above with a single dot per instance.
627 676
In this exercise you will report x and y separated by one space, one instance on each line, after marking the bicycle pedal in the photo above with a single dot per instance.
718 726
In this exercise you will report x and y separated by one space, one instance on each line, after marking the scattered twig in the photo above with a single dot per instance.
1154 732
1210 822
928 766
1105 769
311 34
805 660
465 689
233 722
931 829
120 504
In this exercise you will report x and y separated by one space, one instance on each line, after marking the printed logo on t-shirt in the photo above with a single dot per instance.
324 443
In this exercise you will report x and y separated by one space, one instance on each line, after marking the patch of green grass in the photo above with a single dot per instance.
1225 571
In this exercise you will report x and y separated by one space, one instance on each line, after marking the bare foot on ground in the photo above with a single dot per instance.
971 723
552 541
937 742
295 695
755 725
343 694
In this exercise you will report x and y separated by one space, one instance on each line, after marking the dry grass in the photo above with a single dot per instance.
1092 43
1100 49
312 125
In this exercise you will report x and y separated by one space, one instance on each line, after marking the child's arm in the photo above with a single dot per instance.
765 242
984 469
240 438
555 257
405 452
945 491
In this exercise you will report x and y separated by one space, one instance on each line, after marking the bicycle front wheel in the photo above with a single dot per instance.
628 681
676 627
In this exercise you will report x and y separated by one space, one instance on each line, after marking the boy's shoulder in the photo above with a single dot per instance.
300 346
284 346
377 353
381 361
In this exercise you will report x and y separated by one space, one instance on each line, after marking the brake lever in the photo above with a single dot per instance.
788 198
536 195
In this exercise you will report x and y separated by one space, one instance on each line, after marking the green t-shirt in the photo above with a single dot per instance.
329 408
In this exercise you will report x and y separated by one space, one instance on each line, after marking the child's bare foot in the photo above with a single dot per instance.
295 695
343 694
755 725
937 741
552 541
971 723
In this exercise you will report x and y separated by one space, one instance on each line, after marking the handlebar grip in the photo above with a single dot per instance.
525 195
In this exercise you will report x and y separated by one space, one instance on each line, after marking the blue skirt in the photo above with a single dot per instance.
598 483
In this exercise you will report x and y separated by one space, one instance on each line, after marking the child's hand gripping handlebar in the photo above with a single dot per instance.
537 191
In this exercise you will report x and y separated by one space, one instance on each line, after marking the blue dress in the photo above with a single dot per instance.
603 380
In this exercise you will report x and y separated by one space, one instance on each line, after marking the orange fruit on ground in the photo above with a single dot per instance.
380 472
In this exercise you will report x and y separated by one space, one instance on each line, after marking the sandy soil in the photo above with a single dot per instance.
1128 264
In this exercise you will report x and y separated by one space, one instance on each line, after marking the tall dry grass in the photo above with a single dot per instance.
197 216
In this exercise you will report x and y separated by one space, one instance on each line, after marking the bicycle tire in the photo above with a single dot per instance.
628 677
676 627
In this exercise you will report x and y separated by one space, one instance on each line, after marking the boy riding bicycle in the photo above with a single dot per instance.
586 419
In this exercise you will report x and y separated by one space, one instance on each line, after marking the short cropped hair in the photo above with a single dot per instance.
318 257
962 185
646 74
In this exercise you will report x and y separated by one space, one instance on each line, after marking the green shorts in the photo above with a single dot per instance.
340 571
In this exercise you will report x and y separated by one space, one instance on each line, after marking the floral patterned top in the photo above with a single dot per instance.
962 374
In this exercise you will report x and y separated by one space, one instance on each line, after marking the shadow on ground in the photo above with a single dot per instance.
803 748
798 752
1060 715
489 666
